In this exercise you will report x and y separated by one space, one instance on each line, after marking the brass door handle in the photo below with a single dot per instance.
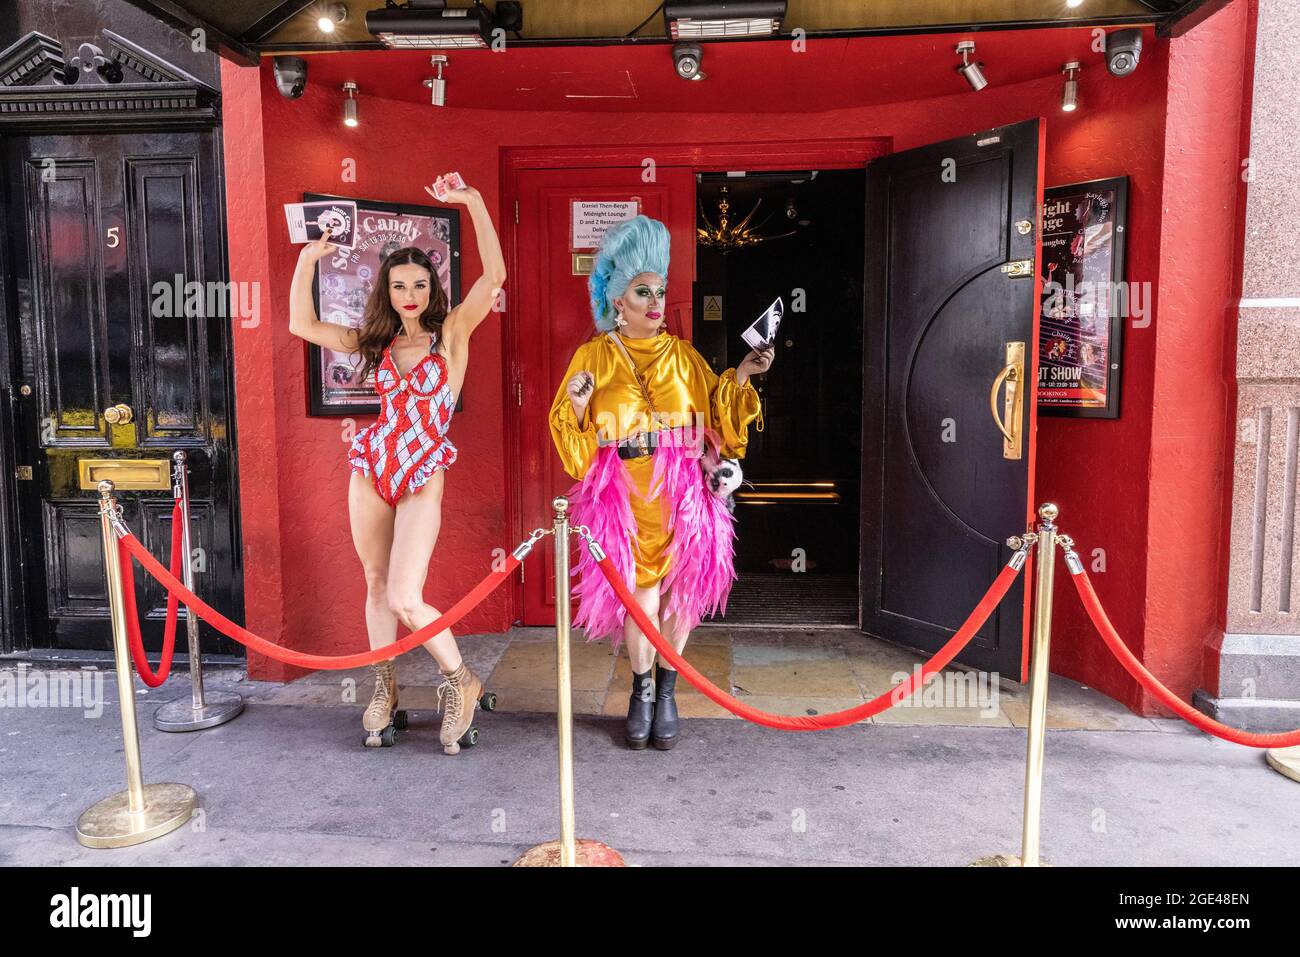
119 414
1008 373
1009 420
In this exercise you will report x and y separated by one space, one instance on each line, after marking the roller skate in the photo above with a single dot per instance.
458 696
382 719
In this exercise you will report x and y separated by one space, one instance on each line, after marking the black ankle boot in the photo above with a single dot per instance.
640 711
664 729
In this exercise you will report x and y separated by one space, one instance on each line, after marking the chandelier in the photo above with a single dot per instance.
727 237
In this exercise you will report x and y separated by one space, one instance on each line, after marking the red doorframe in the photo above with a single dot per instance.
850 153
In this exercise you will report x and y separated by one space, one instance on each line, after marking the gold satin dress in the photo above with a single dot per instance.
684 390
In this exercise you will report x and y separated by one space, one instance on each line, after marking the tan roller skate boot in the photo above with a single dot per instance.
382 720
458 696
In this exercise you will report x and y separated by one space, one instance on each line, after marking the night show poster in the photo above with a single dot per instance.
345 279
1081 327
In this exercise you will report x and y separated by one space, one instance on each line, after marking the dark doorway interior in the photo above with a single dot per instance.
798 515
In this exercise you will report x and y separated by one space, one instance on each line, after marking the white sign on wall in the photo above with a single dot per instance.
591 219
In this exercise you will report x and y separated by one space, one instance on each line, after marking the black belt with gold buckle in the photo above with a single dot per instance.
643 444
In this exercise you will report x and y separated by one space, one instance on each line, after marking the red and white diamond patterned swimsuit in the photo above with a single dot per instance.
408 442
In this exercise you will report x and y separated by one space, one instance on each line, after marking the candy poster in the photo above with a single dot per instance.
346 278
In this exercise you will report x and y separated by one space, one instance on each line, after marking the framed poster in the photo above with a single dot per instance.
1085 299
345 279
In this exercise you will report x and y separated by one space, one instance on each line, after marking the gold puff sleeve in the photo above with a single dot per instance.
575 441
732 408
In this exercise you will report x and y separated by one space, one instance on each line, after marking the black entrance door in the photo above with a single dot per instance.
104 232
949 338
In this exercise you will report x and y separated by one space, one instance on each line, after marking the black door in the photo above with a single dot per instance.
951 294
104 231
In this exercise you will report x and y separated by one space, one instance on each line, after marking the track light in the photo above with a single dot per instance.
973 72
350 104
688 59
428 24
436 84
330 17
689 20
1070 98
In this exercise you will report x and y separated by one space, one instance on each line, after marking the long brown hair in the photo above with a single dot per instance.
380 322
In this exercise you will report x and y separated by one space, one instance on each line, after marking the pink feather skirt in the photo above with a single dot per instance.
701 564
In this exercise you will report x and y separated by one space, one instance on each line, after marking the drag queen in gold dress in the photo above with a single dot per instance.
638 410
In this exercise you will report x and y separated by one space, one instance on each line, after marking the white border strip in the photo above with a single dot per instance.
1292 303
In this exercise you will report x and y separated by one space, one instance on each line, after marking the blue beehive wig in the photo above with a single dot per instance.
638 245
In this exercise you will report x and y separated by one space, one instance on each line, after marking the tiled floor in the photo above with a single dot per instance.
799 672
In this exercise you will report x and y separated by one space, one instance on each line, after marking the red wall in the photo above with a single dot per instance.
302 577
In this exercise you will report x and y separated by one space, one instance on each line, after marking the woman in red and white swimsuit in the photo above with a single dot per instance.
418 351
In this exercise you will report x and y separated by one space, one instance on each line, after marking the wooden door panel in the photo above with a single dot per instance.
939 496
63 199
164 222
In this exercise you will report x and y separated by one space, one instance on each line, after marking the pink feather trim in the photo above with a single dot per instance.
702 549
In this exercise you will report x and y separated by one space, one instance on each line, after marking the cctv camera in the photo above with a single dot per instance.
290 76
1123 49
687 58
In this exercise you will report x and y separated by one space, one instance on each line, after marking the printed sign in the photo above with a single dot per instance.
590 220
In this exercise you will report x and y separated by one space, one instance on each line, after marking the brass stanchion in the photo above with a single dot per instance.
214 708
141 812
1045 539
568 851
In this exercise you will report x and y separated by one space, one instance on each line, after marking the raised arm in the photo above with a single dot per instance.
734 403
303 321
473 309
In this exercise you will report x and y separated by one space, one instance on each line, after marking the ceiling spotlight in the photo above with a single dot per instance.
687 20
973 72
428 24
436 84
1073 3
350 104
688 59
331 16
1070 98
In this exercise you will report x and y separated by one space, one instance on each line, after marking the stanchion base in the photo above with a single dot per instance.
589 854
1003 860
1285 761
181 715
110 823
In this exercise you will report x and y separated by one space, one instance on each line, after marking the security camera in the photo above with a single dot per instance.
290 76
687 58
1123 50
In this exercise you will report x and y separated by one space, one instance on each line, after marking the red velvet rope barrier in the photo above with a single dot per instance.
134 640
1149 681
130 544
836 719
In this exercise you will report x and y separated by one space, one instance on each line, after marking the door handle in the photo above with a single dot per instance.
119 414
1010 421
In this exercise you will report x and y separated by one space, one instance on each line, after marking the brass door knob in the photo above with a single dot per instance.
119 414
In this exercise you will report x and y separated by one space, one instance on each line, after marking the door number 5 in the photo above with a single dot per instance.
114 239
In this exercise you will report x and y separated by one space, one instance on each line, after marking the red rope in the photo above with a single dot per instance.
134 640
1149 681
301 659
836 719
